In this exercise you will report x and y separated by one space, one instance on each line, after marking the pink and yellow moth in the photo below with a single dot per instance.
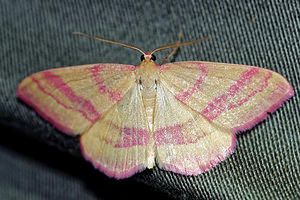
183 115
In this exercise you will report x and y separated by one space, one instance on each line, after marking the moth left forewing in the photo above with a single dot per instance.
72 98
235 97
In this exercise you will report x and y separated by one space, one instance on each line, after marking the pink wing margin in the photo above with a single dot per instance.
72 98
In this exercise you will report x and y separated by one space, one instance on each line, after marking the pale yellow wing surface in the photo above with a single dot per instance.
185 141
119 142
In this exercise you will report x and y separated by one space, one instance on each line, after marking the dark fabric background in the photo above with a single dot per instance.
39 162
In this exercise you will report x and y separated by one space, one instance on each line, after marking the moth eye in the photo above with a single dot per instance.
142 57
153 57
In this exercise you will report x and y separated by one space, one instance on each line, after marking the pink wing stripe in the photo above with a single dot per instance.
276 94
132 137
48 113
114 95
58 83
172 135
184 95
219 104
262 87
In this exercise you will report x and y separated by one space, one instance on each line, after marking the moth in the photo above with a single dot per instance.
184 116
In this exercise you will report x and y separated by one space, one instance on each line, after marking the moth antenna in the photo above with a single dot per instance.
110 41
172 53
181 44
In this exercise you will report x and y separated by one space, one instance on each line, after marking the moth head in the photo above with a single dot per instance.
148 56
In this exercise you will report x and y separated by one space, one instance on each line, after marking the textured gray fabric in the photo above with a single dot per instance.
31 170
37 35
